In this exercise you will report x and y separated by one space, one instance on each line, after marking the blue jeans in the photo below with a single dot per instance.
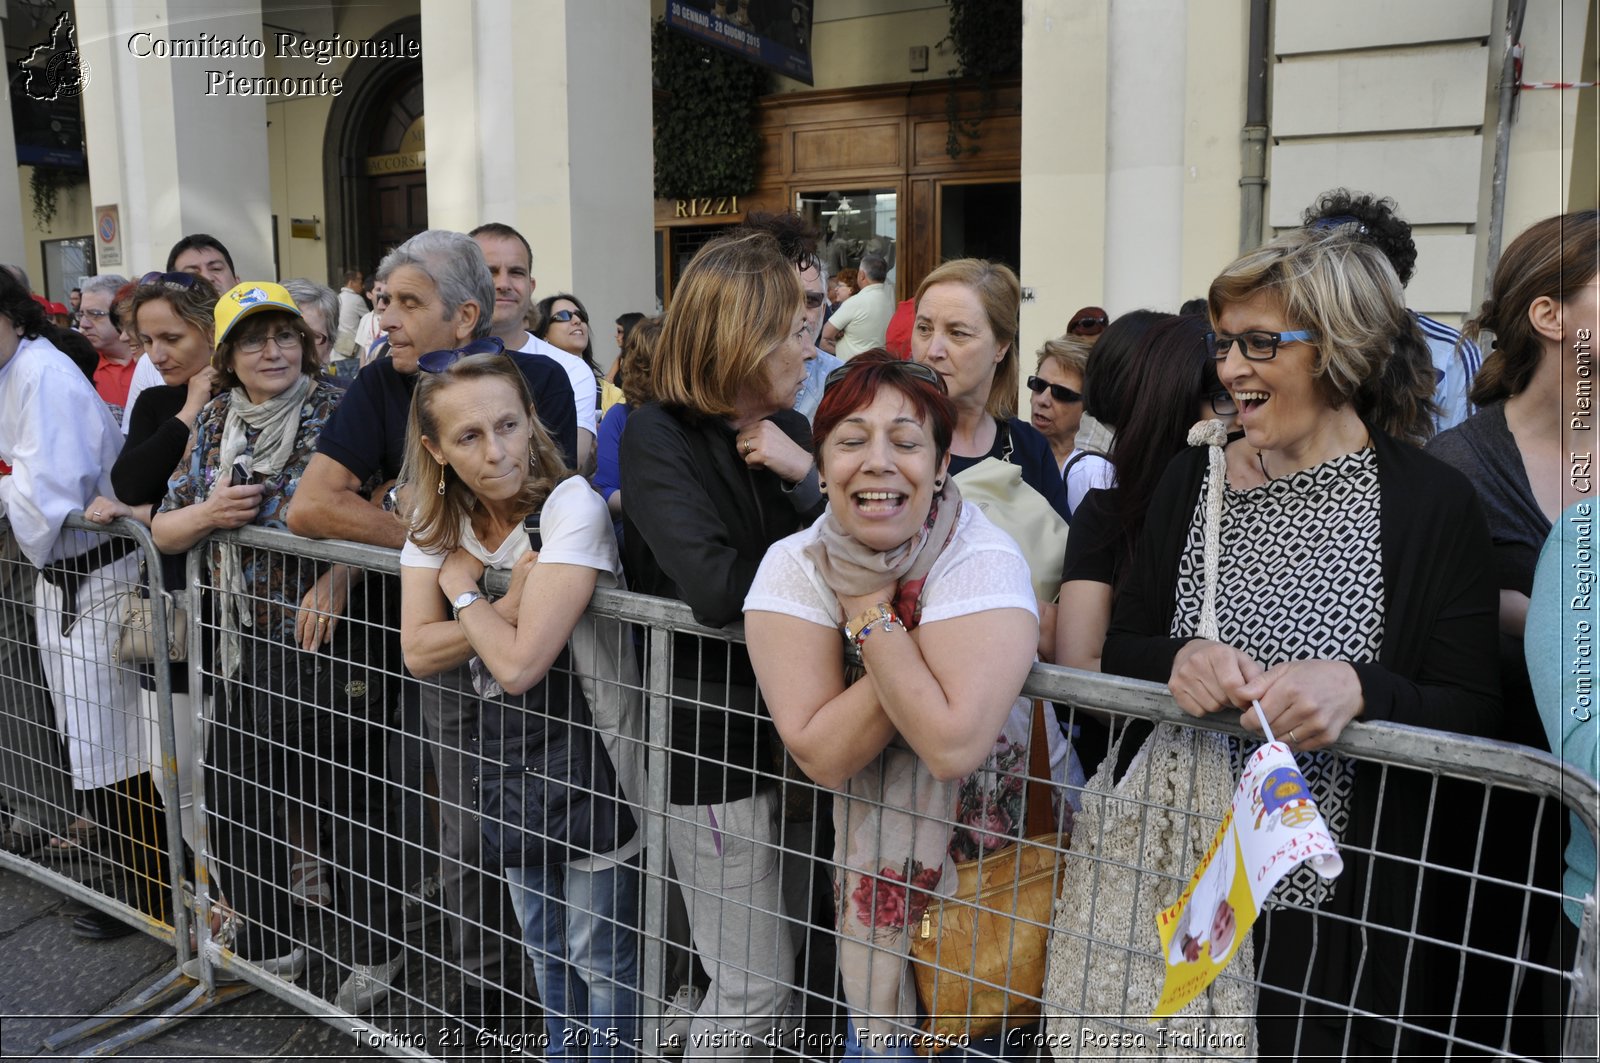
580 928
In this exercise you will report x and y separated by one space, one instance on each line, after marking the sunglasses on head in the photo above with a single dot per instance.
1091 325
170 280
1059 392
914 369
565 316
439 361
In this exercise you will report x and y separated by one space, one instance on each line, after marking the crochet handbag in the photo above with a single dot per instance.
978 956
1135 842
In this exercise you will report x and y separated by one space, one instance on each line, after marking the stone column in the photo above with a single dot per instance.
167 141
539 117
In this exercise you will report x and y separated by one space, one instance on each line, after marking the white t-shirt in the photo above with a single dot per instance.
1089 473
578 372
863 320
575 529
981 569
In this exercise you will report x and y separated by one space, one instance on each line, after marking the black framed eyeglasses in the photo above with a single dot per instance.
915 369
1256 346
176 279
1059 392
285 339
1222 403
564 316
439 361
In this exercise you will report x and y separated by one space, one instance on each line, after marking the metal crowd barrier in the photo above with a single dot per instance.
336 821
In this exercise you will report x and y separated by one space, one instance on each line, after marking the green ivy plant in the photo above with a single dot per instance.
987 37
46 183
706 142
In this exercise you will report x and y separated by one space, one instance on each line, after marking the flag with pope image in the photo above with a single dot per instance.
1271 828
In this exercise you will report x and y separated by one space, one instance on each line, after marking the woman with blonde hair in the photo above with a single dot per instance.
1351 580
713 472
490 490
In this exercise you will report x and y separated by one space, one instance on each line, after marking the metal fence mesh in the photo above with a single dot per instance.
333 815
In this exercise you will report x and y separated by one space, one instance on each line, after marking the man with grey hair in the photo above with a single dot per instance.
97 321
319 306
862 320
442 299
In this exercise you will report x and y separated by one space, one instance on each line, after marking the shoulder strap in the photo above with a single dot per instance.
1040 817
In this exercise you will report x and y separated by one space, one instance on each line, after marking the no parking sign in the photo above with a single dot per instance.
107 237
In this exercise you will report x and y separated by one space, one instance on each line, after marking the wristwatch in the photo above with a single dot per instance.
464 599
856 628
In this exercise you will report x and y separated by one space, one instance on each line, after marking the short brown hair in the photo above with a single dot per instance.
634 375
255 326
1370 350
1069 352
1000 294
733 306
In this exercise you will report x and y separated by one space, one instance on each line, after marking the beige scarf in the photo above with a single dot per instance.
278 422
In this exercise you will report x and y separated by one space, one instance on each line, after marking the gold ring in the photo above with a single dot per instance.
1292 738
321 620
746 446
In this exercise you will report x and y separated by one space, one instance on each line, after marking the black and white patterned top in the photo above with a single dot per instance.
1301 578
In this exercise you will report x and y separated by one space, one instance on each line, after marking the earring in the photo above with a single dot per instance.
822 485
441 479
938 485
533 459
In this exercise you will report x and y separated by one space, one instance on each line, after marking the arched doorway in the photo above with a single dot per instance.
373 158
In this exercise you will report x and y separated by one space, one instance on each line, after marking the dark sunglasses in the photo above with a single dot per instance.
914 369
564 316
171 280
813 300
1088 326
1059 392
439 361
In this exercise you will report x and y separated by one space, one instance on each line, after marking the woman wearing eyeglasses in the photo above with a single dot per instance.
294 744
1354 580
932 729
1057 386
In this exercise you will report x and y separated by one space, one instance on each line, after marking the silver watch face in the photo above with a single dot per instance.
465 598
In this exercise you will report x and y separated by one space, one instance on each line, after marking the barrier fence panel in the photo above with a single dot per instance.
622 862
92 784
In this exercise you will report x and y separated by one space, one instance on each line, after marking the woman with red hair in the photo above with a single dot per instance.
927 744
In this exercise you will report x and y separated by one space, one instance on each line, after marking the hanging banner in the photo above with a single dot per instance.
772 33
1272 828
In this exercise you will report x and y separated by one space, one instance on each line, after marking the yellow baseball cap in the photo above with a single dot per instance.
249 297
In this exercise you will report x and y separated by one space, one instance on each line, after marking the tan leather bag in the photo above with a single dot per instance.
136 635
979 956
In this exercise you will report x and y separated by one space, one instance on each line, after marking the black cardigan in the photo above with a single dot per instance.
696 523
1437 667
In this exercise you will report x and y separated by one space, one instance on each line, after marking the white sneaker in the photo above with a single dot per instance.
422 905
678 1016
288 967
368 985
